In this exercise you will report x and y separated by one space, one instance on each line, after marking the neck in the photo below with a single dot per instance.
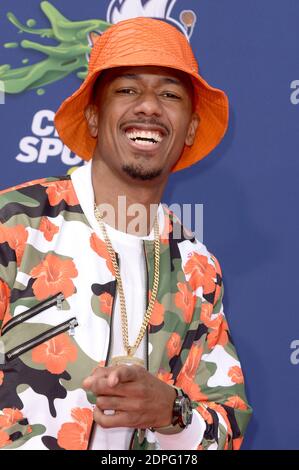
128 205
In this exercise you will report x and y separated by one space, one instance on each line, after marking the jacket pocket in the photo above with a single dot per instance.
15 430
33 311
68 325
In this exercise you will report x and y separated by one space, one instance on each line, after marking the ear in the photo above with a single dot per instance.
92 117
195 119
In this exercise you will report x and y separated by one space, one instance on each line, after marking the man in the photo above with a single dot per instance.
112 339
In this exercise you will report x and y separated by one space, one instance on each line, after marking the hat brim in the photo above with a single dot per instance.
211 104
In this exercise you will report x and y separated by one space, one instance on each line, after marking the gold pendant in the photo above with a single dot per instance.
126 360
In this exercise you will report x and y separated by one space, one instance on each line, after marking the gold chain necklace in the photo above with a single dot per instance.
130 350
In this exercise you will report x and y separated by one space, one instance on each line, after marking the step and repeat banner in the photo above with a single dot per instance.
248 186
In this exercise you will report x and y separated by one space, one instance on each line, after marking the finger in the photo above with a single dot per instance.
100 386
99 372
123 374
117 420
87 383
118 403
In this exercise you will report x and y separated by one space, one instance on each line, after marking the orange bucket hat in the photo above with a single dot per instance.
139 42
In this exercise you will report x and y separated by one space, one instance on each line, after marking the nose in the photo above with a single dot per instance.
148 104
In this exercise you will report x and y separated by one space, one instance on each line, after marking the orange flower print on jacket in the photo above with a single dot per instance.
9 417
53 275
165 377
219 333
48 228
4 299
157 316
191 388
206 313
186 377
236 402
201 272
16 238
1 377
236 375
174 345
237 443
105 300
4 439
74 436
185 300
218 327
101 249
192 362
62 191
5 315
56 353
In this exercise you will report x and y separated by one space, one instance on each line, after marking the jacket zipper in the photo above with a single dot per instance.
31 312
67 325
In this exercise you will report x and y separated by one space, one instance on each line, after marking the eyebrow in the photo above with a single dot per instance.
135 76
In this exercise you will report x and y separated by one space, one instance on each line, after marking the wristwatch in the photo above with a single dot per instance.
181 414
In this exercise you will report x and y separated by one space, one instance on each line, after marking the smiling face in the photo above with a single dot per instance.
142 118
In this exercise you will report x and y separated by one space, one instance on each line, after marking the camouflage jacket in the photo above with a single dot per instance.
57 292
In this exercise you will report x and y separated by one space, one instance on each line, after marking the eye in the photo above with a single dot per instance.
125 91
171 95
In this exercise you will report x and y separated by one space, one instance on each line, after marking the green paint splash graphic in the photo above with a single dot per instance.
68 56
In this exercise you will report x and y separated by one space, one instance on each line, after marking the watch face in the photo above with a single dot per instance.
183 411
186 411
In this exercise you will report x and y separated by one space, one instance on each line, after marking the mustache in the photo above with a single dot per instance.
147 122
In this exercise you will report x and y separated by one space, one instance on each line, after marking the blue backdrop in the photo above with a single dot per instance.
248 185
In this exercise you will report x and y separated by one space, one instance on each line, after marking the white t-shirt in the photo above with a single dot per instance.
133 275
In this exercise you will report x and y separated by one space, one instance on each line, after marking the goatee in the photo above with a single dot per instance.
138 172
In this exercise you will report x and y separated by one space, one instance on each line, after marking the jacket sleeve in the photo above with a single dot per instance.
213 378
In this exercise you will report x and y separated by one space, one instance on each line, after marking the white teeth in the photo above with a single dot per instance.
142 134
146 143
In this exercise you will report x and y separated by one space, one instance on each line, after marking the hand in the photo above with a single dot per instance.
139 399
